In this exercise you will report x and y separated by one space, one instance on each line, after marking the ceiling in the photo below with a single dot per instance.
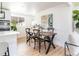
39 6
30 7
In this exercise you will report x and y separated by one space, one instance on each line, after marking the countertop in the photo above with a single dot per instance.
5 33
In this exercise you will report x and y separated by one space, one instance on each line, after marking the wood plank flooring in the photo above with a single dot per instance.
26 50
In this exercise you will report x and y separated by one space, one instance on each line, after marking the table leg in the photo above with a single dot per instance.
65 49
28 41
53 45
48 48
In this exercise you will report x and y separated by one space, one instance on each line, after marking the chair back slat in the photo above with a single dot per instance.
36 32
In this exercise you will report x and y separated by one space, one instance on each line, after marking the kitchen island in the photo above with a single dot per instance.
11 38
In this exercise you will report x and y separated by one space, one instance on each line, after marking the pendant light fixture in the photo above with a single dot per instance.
1 7
2 13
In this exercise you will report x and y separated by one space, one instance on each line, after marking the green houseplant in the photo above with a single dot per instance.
13 25
76 18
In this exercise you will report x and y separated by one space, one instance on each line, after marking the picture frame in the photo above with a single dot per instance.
44 20
50 20
47 20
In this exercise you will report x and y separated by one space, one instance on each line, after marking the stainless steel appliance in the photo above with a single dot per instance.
4 25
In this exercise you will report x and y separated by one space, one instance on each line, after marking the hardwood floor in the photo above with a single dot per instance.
26 50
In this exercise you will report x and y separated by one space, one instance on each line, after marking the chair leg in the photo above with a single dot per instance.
29 42
48 48
26 40
8 51
39 45
68 50
45 45
65 49
5 54
34 43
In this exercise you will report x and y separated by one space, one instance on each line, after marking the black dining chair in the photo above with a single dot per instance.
38 38
28 35
35 36
49 40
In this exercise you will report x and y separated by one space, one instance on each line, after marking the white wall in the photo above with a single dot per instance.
62 22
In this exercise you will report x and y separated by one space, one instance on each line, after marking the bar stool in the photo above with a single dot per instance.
4 49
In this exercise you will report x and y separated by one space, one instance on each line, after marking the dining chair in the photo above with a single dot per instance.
35 36
4 49
28 35
49 40
67 50
41 40
38 38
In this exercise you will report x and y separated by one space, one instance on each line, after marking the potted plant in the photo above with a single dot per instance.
76 19
13 25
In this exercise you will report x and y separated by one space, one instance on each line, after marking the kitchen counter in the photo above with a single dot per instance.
11 38
5 33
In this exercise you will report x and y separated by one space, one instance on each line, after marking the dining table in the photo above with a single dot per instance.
48 36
